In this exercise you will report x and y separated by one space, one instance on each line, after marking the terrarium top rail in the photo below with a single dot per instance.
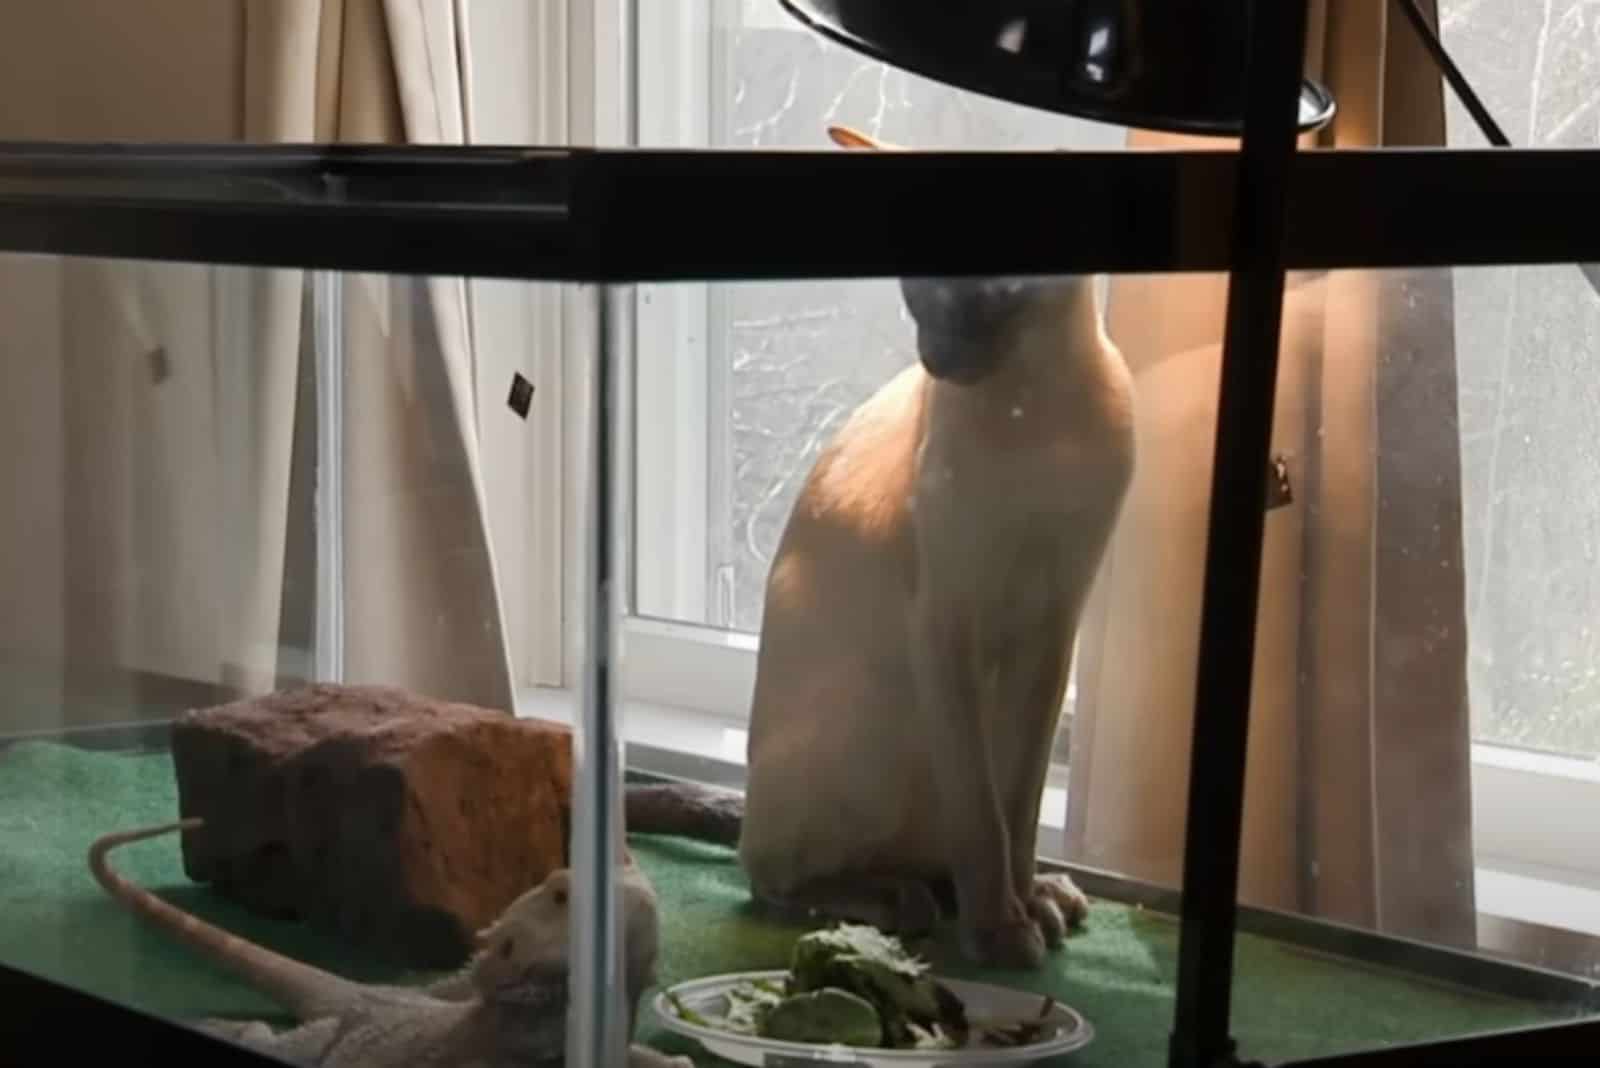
620 215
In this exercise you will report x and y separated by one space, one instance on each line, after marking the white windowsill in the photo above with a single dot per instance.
1545 902
680 730
1535 848
1534 762
704 735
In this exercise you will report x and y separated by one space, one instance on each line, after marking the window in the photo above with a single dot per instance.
1526 341
748 380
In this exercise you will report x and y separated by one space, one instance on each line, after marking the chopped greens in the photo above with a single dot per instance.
854 985
826 1015
750 1005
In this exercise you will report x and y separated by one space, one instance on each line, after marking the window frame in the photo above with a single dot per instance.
669 437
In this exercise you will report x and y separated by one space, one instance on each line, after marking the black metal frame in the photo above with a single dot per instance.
50 1023
1249 376
602 215
620 215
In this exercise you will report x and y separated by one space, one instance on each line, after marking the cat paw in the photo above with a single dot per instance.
913 908
1016 945
1057 906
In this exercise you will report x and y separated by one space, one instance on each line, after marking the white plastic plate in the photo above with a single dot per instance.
1066 1029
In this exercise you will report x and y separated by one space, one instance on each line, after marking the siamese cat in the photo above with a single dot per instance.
920 615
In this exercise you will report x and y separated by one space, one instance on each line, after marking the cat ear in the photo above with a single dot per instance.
847 137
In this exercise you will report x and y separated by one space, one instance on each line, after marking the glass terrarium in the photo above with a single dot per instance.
582 524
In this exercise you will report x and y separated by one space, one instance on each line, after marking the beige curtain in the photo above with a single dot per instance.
166 404
1358 782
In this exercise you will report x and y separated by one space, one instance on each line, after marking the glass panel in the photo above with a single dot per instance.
937 540
221 487
1406 876
1532 650
1535 75
765 661
1526 343
749 382
775 367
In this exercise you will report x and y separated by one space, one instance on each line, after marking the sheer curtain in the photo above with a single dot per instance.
1358 783
165 405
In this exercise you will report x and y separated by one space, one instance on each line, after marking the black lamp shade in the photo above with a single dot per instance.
1175 65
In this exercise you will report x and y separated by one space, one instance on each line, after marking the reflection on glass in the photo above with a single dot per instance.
246 559
1529 508
776 368
929 591
1393 890
1380 796
754 378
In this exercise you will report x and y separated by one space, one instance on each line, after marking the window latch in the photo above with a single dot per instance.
1279 491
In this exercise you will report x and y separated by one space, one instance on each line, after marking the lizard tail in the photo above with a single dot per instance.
305 991
689 810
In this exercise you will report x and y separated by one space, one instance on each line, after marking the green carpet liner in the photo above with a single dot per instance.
1120 973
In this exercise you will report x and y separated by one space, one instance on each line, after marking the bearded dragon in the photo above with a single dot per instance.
506 1008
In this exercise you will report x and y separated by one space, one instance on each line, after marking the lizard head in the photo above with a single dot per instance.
533 935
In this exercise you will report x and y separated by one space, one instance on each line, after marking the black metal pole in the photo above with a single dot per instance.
1200 1037
1452 74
